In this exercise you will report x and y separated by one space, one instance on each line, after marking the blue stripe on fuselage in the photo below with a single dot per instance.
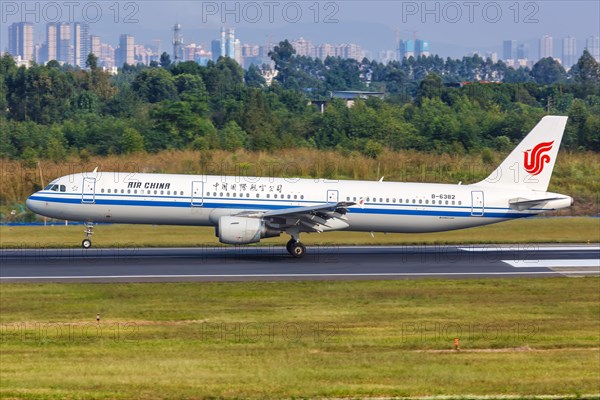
209 203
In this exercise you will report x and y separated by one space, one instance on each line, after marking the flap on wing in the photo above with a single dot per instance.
525 204
340 208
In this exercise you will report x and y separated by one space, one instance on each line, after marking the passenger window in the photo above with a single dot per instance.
275 196
301 197
235 195
420 201
156 192
162 192
221 194
128 191
460 203
247 194
453 202
108 190
295 196
426 201
268 196
135 191
101 190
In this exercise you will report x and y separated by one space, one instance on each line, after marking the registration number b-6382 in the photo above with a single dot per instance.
443 196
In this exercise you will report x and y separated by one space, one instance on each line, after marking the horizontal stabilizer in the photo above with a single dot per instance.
525 204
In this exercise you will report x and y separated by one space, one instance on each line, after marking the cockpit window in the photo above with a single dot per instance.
63 188
48 187
54 188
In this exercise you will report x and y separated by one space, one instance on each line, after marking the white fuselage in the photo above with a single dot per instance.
201 200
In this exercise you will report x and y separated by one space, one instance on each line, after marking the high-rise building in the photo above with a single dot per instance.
569 52
509 50
215 47
523 51
592 44
406 49
95 45
64 51
546 47
304 47
81 44
107 56
492 55
325 50
350 50
20 40
125 54
222 43
50 51
177 44
421 48
230 43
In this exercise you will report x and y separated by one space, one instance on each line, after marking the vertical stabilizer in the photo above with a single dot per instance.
530 165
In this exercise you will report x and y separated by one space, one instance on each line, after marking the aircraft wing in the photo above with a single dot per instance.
319 218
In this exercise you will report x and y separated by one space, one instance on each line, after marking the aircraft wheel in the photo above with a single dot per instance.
86 244
289 245
297 249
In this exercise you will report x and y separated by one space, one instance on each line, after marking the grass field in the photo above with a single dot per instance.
523 337
537 230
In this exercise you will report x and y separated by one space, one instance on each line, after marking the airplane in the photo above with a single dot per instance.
245 209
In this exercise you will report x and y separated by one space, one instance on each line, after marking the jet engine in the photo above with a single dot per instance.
243 230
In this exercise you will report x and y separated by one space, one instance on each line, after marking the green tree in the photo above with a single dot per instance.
155 85
254 78
232 137
131 141
91 62
548 71
165 60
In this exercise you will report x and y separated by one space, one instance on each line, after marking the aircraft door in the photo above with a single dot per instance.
197 194
332 196
88 191
477 203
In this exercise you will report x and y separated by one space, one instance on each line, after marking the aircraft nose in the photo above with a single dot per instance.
32 204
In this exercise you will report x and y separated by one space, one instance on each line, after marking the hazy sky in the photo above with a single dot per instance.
453 28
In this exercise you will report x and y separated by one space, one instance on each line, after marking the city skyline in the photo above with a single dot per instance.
448 27
71 43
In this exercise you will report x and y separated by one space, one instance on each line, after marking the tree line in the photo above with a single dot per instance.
53 111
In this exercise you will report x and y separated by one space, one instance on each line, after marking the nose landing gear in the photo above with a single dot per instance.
89 231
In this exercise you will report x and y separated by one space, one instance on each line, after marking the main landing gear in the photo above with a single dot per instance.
89 231
295 248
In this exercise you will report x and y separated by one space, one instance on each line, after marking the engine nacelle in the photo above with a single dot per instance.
243 230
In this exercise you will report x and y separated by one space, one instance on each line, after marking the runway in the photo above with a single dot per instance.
273 263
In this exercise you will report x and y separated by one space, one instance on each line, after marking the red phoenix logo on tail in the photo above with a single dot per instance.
535 159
